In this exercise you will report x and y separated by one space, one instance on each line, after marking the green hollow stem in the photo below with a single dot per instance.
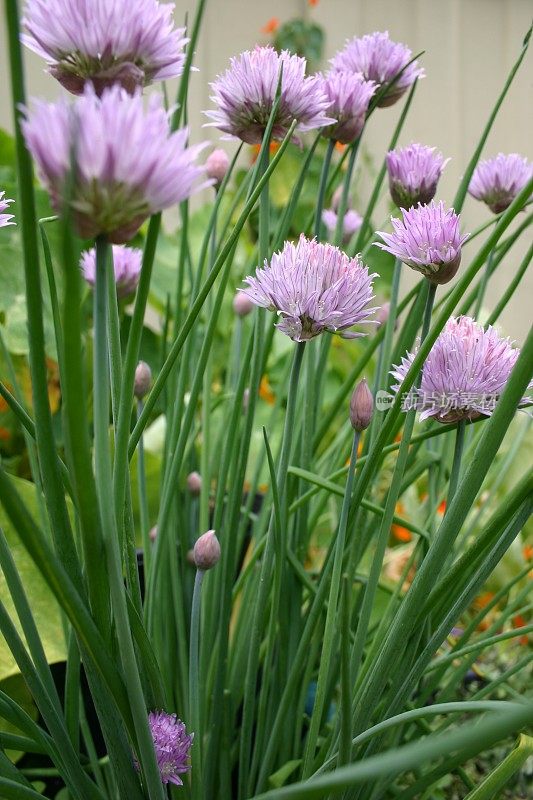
103 473
264 579
457 457
365 225
477 706
331 618
143 499
194 684
131 359
454 296
410 609
511 287
468 741
482 288
322 188
386 521
494 783
225 250
48 458
385 349
343 205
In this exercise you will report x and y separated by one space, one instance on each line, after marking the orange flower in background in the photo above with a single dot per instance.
398 531
271 26
265 391
340 147
273 148
312 2
3 405
482 601
528 552
519 622
5 435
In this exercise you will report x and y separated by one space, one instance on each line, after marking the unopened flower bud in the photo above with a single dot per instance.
143 379
194 483
242 305
152 535
217 165
337 197
382 314
206 551
361 406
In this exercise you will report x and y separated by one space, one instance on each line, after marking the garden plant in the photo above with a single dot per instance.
263 511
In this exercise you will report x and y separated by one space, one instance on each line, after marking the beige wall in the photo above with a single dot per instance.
470 46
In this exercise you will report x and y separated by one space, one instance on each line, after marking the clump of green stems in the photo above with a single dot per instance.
387 718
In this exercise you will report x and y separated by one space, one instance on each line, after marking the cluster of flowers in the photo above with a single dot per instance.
124 162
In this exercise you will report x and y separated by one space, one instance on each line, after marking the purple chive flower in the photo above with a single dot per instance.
379 59
349 97
128 163
498 180
245 94
130 42
351 223
172 744
414 172
5 219
428 240
313 287
464 373
127 262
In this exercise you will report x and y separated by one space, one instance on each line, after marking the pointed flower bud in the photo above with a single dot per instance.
143 379
206 551
498 180
361 406
194 483
242 304
217 165
414 173
383 314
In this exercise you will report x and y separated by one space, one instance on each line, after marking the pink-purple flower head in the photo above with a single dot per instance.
350 224
498 180
130 42
414 172
313 288
245 94
464 374
128 164
127 262
428 239
172 744
349 96
381 60
5 219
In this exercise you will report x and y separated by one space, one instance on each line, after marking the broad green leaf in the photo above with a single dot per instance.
44 607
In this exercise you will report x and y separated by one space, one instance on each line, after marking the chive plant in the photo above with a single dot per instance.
227 621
